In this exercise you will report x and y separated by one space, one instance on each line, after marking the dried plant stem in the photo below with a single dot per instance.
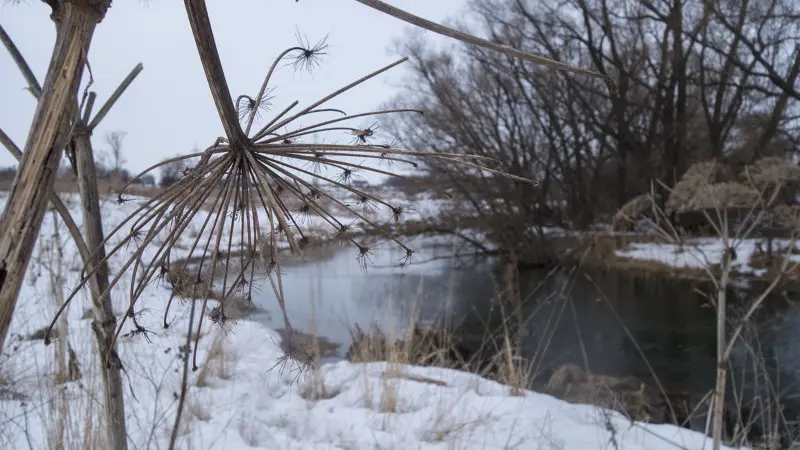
722 362
209 56
474 40
184 380
101 114
103 312
213 149
24 211
375 149
55 200
302 131
30 78
103 325
329 97
264 87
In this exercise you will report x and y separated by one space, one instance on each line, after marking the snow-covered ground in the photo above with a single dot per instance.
704 252
243 398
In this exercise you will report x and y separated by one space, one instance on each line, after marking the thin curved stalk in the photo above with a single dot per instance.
264 86
275 148
474 40
341 119
263 131
357 155
212 149
173 437
367 168
336 93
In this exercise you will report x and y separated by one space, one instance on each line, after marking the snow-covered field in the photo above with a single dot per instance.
243 400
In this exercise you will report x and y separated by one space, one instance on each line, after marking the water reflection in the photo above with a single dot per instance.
571 317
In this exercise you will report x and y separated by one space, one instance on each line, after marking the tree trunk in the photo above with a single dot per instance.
27 201
104 320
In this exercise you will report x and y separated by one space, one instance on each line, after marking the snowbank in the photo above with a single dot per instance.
244 398
703 252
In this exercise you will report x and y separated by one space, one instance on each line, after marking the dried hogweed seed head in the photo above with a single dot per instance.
363 135
247 105
269 177
406 258
364 256
342 235
399 211
121 199
309 57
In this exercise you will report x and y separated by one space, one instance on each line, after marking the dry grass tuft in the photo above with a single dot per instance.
423 346
219 362
198 411
248 430
389 396
396 372
628 395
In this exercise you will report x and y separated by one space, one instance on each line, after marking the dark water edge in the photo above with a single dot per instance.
622 325
671 321
607 322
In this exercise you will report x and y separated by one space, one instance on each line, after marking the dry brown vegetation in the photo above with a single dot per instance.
425 346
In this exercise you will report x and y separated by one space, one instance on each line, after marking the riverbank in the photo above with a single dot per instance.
247 395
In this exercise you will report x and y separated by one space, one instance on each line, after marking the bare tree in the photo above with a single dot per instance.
114 141
688 87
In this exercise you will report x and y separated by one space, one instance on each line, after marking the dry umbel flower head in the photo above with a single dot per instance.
242 194
697 178
771 171
241 187
631 210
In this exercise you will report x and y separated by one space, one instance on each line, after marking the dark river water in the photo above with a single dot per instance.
588 319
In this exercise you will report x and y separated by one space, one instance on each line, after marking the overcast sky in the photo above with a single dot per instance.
168 110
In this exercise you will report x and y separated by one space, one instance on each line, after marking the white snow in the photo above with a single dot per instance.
703 252
248 402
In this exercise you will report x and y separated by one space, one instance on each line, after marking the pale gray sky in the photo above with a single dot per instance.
168 110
